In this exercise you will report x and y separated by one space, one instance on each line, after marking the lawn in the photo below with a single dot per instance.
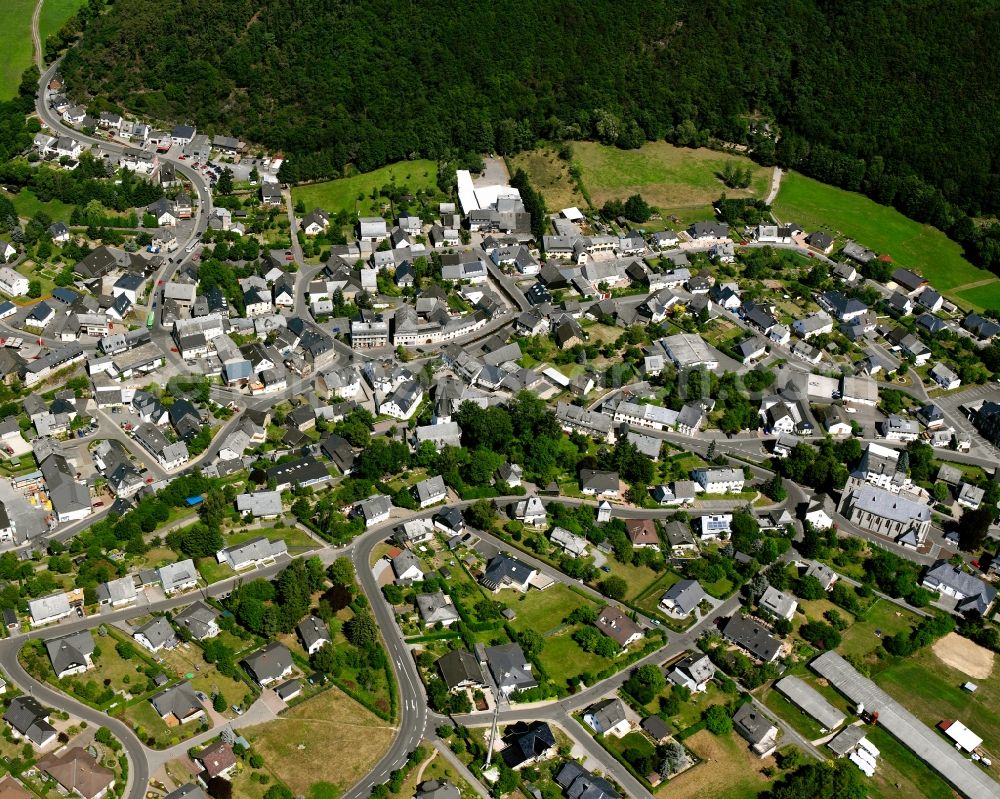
328 739
54 15
931 690
847 214
544 611
668 177
860 638
296 540
147 724
639 578
27 204
342 194
729 770
15 19
212 571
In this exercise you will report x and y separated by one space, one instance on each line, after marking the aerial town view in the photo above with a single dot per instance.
534 400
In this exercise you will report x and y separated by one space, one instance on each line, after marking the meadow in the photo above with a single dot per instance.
15 55
54 15
676 180
342 194
845 214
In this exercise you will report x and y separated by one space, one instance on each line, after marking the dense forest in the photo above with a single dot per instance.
897 99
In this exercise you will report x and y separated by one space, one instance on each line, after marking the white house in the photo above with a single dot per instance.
12 283
719 481
939 373
48 609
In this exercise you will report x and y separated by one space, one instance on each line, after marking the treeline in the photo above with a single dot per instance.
883 93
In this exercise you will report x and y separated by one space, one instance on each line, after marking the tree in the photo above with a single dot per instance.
278 792
225 182
341 571
362 631
718 721
809 587
614 587
481 514
219 788
34 289
637 209
973 527
219 703
645 683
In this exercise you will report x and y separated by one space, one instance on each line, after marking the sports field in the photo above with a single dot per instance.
925 249
15 55
342 195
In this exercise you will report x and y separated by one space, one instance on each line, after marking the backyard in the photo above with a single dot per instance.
328 739
815 205
342 194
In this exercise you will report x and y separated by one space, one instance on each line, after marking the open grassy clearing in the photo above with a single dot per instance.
15 56
54 15
328 739
668 177
860 638
729 770
342 194
927 250
932 691
27 204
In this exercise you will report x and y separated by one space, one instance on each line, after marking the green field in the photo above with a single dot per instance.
54 15
983 297
27 204
15 56
860 638
925 249
668 177
342 194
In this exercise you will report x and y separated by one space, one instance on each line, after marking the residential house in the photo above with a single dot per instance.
178 705
460 669
314 633
608 717
969 592
200 620
217 760
756 729
778 603
48 609
431 491
29 721
683 598
527 743
269 664
596 483
504 571
437 608
253 553
71 654
642 533
692 672
719 481
752 638
510 669
618 627
156 634
78 772
178 577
